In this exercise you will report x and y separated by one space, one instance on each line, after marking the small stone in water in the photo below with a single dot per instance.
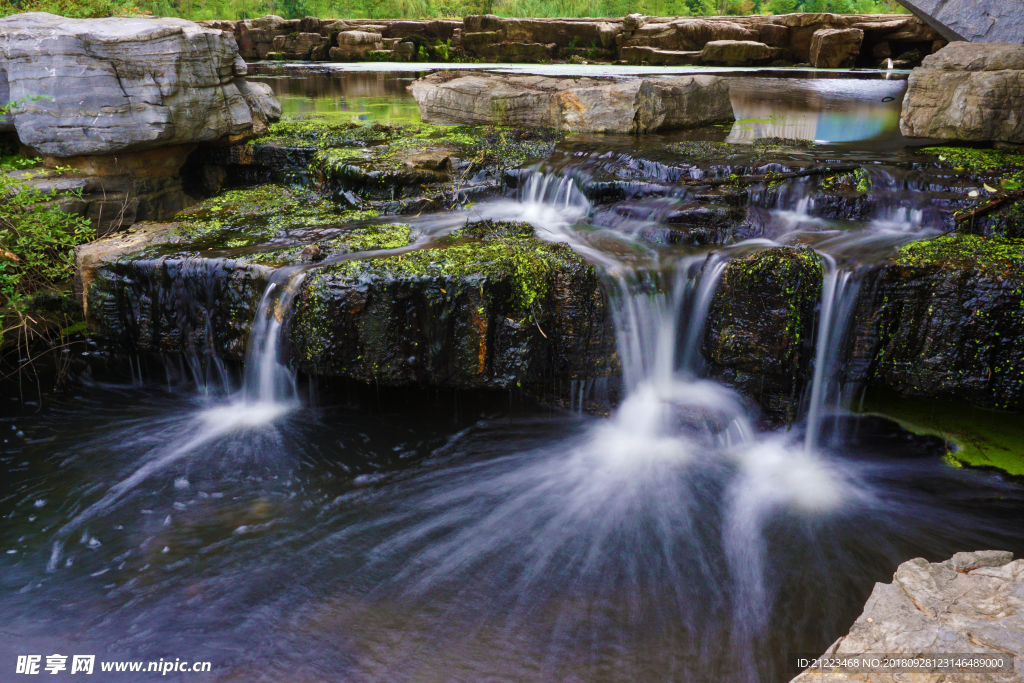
311 253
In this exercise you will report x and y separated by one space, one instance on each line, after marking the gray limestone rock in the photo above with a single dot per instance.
573 104
969 604
977 21
967 91
832 48
111 85
734 52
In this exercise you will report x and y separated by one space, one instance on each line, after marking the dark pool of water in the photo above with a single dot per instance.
405 536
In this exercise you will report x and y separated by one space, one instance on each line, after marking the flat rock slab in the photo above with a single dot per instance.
573 104
968 604
967 91
119 84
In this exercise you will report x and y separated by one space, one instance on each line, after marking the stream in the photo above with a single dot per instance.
288 528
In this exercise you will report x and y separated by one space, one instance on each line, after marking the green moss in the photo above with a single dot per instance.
983 438
704 150
241 218
960 251
781 143
470 256
978 160
360 238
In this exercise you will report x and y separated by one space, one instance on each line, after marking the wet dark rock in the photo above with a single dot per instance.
391 168
760 327
946 320
311 253
489 306
494 309
1006 220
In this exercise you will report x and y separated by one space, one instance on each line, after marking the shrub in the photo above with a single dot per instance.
36 241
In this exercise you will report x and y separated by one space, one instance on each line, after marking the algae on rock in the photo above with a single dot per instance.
491 306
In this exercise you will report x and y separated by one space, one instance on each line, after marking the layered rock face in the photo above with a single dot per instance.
573 104
971 603
946 320
124 102
967 91
636 39
760 325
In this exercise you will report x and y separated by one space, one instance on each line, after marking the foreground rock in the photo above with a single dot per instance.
489 306
573 104
967 91
125 102
971 603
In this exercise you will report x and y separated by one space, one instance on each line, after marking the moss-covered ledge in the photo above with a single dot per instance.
392 168
759 332
487 306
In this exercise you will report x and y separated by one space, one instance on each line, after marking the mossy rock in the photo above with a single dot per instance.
392 168
487 306
491 306
946 321
759 331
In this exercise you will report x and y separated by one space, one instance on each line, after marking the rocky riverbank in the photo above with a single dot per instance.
819 40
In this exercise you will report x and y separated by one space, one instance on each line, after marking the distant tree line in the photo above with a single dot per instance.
415 9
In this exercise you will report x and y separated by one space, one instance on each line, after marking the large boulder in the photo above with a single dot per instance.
969 604
832 48
355 45
573 104
115 85
967 91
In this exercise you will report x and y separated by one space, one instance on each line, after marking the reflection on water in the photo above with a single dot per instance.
366 95
824 110
795 106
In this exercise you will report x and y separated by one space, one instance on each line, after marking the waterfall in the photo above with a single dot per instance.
838 299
